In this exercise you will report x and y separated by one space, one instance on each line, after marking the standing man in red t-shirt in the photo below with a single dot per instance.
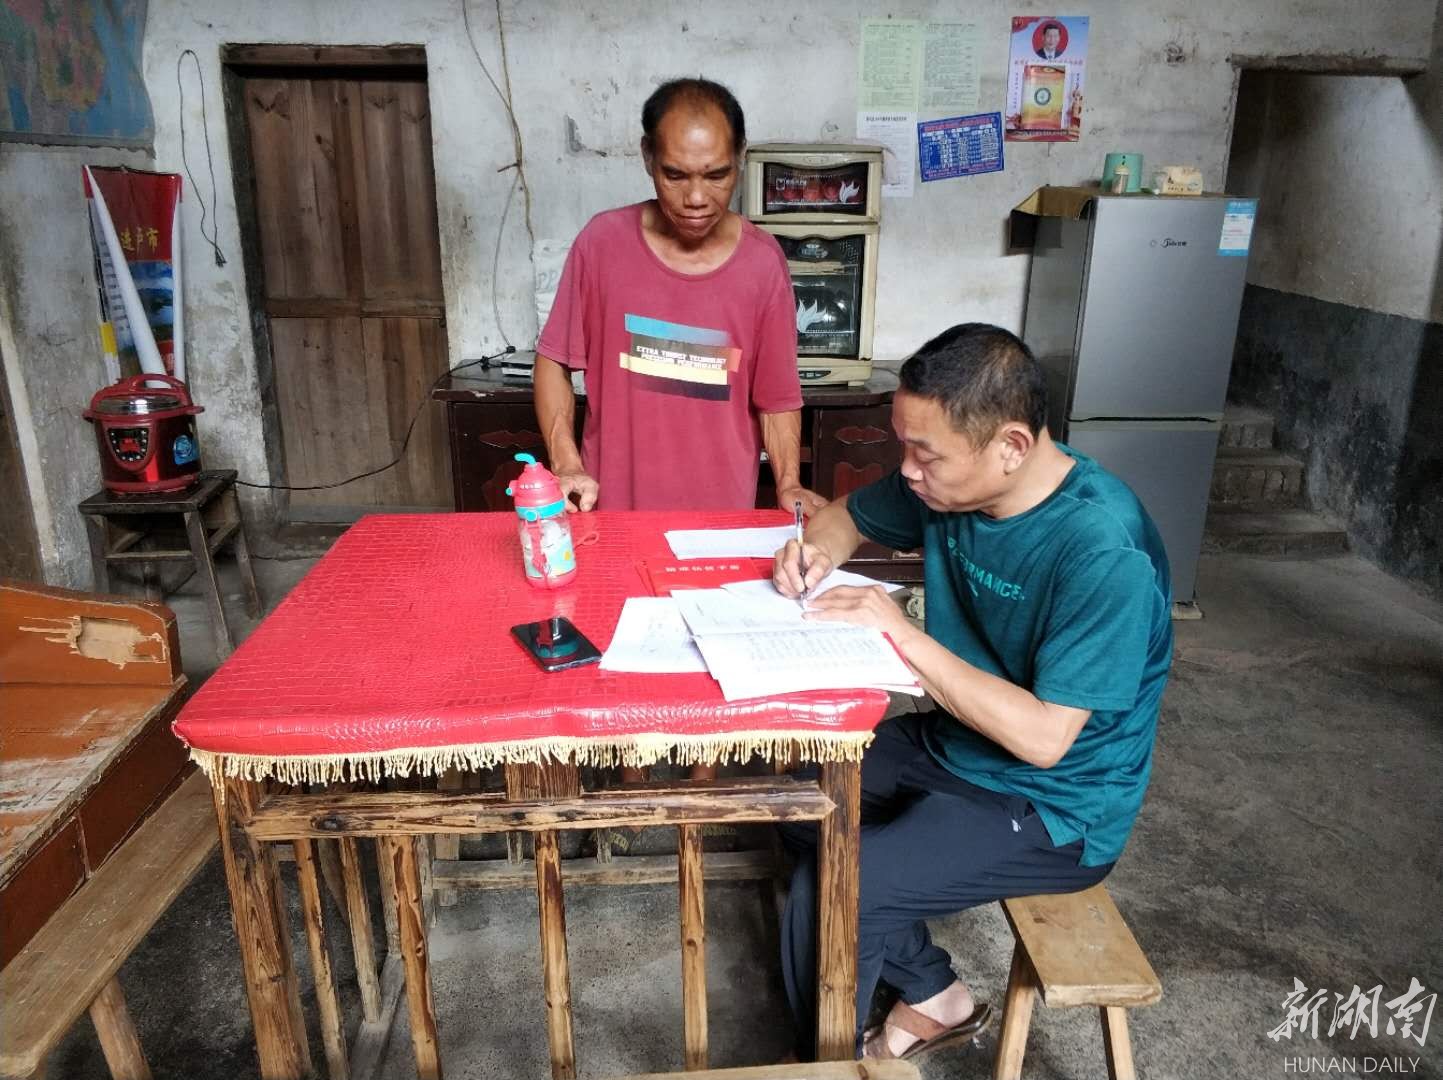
681 314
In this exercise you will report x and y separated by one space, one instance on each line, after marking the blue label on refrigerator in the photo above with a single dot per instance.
1238 221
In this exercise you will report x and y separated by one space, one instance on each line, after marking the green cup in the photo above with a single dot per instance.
1134 171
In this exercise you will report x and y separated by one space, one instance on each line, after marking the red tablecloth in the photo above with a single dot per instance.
394 655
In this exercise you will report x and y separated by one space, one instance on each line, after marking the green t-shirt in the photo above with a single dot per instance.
1071 600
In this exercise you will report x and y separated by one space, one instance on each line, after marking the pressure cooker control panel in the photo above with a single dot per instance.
129 444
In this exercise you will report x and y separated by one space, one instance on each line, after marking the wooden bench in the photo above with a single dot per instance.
99 827
70 965
822 1070
1075 949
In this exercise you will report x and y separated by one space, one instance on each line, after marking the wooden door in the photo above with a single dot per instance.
345 212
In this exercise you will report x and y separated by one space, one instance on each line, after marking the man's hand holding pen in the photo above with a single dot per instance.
800 566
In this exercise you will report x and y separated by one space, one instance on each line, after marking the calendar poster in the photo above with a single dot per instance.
1045 69
960 146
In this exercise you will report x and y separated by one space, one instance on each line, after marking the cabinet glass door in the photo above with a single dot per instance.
827 280
804 189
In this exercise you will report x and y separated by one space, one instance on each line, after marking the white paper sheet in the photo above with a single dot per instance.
789 661
729 543
758 643
755 590
896 133
652 637
950 68
889 65
718 611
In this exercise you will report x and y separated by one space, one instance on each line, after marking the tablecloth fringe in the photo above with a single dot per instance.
634 751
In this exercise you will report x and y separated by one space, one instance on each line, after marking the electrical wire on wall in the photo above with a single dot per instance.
485 364
519 164
214 238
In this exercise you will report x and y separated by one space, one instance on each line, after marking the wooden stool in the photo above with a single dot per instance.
1076 950
211 513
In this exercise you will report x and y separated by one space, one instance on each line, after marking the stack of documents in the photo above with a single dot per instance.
755 643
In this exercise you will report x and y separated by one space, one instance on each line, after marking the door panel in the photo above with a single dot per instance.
402 357
293 152
329 422
346 216
396 193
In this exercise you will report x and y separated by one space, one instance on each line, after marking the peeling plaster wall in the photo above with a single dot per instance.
1159 83
1341 335
50 338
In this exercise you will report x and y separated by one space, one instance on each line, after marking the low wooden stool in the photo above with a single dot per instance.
1075 949
211 512
821 1070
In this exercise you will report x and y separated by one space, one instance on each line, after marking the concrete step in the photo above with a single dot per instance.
1297 533
1249 478
1246 426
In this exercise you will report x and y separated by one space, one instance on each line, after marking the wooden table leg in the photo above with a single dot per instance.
400 852
529 782
448 845
333 1036
205 570
693 945
99 533
838 866
243 556
360 920
260 923
118 1040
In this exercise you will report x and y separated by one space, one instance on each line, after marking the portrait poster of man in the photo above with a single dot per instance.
1045 68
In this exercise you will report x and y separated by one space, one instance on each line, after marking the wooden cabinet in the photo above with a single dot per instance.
847 442
486 435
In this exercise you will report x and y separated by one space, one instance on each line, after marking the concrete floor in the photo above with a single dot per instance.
1291 832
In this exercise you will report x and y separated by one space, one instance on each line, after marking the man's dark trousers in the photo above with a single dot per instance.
932 844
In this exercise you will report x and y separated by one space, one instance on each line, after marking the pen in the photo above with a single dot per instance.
801 560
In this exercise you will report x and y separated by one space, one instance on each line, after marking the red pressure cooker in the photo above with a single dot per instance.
146 434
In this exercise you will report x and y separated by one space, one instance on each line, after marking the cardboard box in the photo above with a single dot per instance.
1068 202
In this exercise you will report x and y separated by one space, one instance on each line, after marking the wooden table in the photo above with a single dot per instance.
394 657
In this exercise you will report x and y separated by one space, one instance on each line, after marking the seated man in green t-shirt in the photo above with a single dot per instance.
1047 644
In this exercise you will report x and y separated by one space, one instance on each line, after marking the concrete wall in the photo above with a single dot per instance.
1341 336
50 340
1159 83
1348 168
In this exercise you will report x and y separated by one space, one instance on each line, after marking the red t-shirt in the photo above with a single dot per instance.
677 365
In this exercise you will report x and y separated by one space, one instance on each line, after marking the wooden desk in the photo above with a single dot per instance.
393 657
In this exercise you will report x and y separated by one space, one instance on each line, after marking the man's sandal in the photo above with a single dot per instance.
930 1034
